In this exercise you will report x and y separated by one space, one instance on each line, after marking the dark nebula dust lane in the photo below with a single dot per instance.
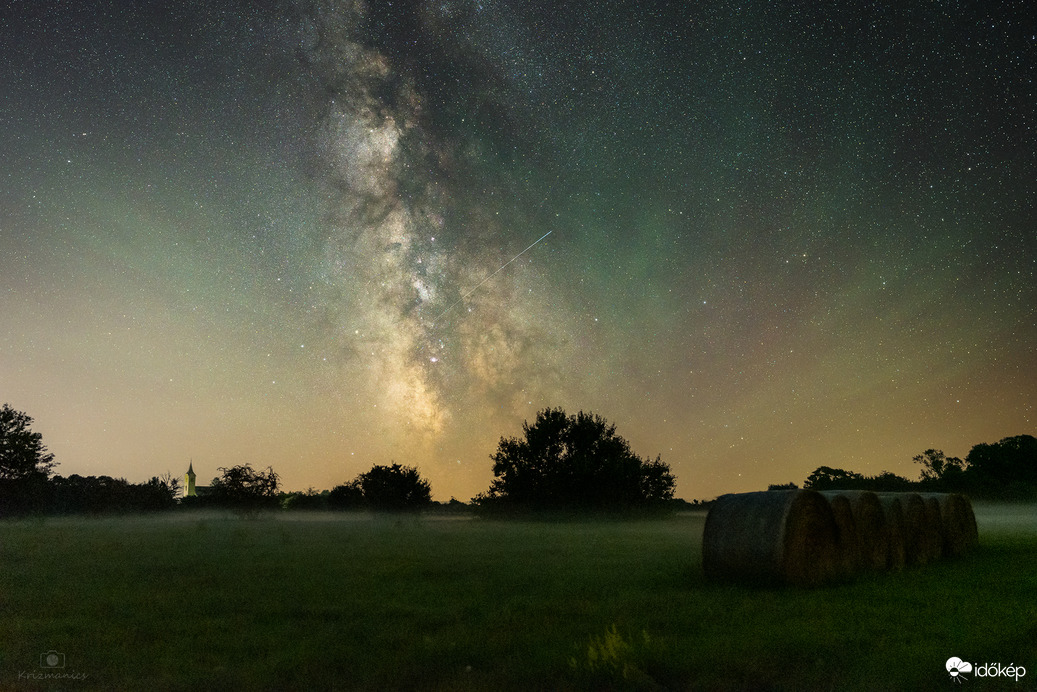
324 235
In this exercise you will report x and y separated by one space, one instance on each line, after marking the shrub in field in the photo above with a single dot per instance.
788 536
346 496
394 488
311 500
244 489
574 463
614 660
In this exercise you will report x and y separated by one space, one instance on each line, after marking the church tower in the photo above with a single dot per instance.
189 490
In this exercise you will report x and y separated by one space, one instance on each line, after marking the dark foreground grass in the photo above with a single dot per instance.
208 602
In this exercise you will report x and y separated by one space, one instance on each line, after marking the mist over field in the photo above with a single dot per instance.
360 601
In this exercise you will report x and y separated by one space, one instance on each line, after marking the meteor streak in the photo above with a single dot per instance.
490 276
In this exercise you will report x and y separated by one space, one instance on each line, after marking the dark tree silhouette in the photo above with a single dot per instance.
887 481
828 478
106 495
22 453
77 494
574 462
308 500
1005 469
161 492
170 484
394 488
940 471
1008 467
242 488
25 465
346 496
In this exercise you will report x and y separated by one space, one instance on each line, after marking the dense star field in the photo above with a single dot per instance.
758 237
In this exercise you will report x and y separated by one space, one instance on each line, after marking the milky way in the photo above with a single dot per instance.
781 235
413 248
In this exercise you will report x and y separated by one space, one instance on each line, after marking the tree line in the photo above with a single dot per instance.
1005 470
562 463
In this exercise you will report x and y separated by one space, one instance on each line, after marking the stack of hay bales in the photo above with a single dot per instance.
807 538
921 531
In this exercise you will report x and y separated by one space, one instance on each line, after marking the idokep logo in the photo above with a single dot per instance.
957 669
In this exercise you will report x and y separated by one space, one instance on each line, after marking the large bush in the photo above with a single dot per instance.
245 489
574 463
394 488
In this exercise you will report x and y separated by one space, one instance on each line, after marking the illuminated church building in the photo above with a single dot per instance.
190 489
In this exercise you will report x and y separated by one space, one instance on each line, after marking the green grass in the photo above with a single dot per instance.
193 602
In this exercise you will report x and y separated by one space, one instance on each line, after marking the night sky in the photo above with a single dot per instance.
781 234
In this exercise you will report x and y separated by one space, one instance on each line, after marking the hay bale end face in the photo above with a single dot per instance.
921 537
896 532
971 529
959 523
849 543
870 522
934 528
787 536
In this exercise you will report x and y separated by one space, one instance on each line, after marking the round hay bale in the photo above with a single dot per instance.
959 523
934 526
921 540
787 536
849 544
870 522
968 518
896 533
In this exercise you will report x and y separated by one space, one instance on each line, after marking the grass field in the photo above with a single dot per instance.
323 602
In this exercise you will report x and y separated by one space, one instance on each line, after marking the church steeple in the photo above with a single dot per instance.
189 490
